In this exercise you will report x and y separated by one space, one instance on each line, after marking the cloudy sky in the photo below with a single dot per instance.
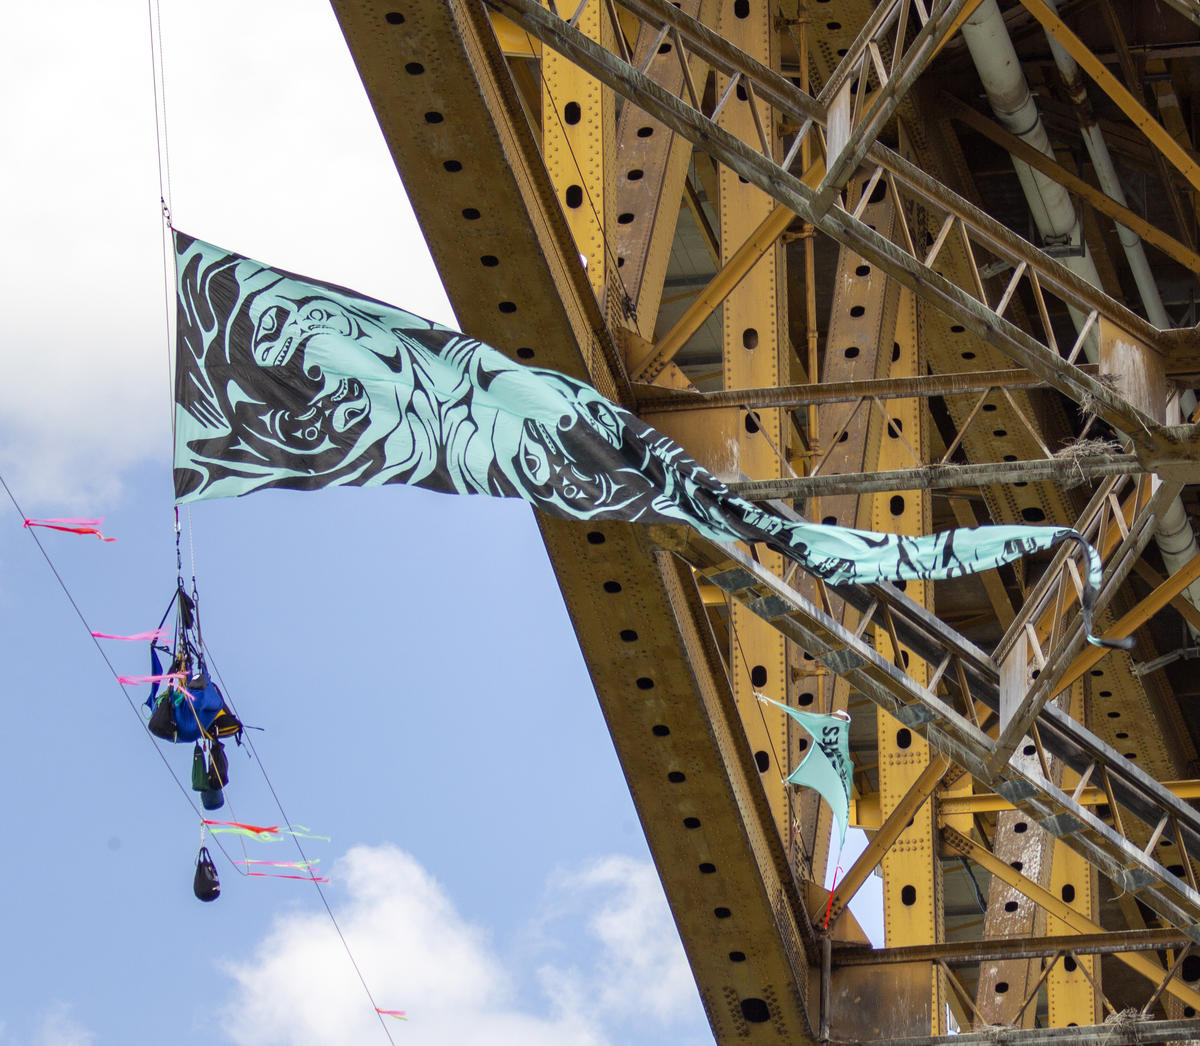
422 697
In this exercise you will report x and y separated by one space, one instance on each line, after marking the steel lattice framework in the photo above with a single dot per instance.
790 234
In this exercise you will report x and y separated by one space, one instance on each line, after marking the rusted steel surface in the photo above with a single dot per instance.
497 169
966 953
466 139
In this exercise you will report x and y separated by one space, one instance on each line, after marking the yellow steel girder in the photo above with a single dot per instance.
651 177
912 881
752 349
1140 962
664 609
1072 989
862 318
454 124
578 122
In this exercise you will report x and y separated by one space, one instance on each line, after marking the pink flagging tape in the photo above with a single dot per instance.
136 637
302 878
139 680
67 521
398 1014
71 526
256 828
268 834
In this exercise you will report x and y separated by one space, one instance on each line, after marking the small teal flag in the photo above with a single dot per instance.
826 768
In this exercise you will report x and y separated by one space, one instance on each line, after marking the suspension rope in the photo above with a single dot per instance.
158 74
163 156
191 545
303 856
750 676
186 792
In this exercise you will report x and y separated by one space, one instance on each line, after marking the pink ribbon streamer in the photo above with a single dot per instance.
302 878
265 834
71 525
256 831
239 824
398 1014
138 680
136 637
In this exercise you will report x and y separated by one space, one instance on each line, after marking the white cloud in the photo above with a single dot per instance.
83 348
275 152
639 972
419 954
58 1028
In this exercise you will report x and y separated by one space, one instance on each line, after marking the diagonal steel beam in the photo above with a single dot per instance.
1020 780
1163 593
1038 160
1060 669
848 152
982 856
1056 587
496 159
844 227
710 298
887 833
940 477
807 112
1159 136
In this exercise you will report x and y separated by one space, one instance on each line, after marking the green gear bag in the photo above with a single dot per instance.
199 769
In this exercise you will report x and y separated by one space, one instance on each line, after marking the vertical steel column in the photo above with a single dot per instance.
1072 996
752 359
651 172
1004 986
912 882
578 129
859 336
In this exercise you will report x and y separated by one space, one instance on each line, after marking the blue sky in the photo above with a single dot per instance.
408 655
423 699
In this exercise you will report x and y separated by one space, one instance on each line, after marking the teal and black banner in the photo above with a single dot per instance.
289 383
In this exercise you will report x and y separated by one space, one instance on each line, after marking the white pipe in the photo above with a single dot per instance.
1008 93
1110 183
1053 213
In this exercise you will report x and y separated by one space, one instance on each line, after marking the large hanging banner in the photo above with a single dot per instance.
289 383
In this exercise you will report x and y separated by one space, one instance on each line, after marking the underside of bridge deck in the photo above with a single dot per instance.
906 266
